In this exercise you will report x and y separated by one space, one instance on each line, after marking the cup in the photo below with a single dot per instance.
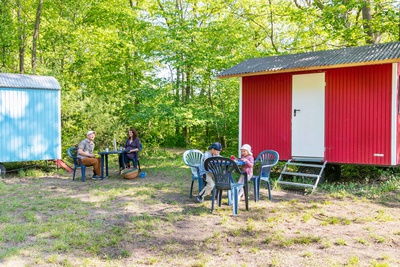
106 149
142 175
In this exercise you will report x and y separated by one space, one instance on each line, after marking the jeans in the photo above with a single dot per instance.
209 186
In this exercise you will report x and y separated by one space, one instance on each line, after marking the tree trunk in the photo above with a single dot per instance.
22 39
35 36
374 37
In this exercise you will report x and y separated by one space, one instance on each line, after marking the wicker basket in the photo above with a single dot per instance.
130 174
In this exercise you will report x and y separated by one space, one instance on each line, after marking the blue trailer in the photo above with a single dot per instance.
30 118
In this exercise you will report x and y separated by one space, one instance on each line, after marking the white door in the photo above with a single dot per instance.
308 115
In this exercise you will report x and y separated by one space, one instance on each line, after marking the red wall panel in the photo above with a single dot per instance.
266 113
358 115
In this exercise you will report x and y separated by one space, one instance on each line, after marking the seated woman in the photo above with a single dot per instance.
132 146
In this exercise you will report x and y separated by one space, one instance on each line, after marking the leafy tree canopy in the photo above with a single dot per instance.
152 64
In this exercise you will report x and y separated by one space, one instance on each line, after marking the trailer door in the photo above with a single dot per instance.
308 116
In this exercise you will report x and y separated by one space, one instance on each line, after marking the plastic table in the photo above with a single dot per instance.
104 158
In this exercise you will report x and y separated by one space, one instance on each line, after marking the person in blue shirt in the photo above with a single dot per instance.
213 151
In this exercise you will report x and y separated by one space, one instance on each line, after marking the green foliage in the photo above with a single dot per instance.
366 181
153 64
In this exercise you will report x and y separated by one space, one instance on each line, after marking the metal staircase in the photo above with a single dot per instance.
302 174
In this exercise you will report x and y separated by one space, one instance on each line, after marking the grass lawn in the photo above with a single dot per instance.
50 220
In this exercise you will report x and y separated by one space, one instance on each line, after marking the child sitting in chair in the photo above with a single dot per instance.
248 159
213 151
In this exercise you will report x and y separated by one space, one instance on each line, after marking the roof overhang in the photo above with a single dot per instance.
376 54
311 68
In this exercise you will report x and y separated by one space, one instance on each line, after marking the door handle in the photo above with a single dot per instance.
296 110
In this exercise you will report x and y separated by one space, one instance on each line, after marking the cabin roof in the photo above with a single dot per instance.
9 80
345 57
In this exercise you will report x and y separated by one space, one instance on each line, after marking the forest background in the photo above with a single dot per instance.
153 64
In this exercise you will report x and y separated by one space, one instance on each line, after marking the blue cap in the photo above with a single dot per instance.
216 146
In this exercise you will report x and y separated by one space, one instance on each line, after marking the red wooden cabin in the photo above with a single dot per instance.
337 106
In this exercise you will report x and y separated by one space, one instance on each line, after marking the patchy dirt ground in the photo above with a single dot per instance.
162 226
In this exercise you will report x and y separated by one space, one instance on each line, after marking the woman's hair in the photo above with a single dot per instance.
134 133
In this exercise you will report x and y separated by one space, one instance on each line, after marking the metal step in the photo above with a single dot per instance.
315 177
304 164
297 184
301 174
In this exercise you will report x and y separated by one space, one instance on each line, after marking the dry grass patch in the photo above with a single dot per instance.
53 221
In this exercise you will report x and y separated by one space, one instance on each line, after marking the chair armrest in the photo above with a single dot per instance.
193 166
197 167
268 165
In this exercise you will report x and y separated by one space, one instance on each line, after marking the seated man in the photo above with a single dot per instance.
85 153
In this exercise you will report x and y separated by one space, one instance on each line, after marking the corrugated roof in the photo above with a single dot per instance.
8 80
345 57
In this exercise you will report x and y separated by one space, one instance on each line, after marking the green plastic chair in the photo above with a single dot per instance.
72 153
193 158
267 159
222 169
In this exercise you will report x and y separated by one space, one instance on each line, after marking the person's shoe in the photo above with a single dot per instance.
95 177
128 166
200 199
